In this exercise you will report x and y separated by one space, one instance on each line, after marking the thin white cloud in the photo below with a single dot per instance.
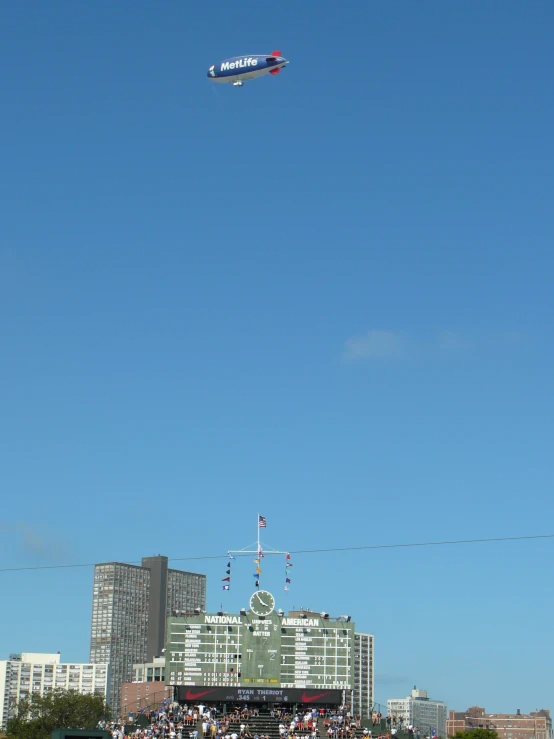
391 345
41 543
514 337
451 341
384 678
375 345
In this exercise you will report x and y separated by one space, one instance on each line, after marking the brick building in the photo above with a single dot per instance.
474 718
137 697
535 725
147 690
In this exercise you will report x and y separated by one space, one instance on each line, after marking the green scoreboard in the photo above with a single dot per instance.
260 649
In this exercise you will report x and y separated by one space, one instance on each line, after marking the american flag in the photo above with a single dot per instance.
262 522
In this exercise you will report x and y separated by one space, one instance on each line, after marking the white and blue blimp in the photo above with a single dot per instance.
238 69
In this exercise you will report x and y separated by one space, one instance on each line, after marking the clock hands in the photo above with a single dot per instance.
258 598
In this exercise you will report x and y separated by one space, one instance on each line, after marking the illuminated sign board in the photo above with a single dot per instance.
259 695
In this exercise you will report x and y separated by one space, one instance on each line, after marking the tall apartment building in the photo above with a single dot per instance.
420 711
534 725
130 606
26 673
363 668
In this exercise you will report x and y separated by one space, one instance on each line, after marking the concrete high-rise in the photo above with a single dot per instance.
363 673
130 606
419 711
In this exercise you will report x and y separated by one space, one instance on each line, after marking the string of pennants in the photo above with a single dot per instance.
257 561
258 570
227 579
287 571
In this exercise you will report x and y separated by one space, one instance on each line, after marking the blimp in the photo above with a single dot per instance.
238 69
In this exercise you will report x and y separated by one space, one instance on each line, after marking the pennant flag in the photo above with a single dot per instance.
262 522
226 587
288 564
230 555
257 561
257 583
285 588
228 572
255 575
258 571
228 564
225 579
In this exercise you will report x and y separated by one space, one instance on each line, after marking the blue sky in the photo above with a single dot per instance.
326 297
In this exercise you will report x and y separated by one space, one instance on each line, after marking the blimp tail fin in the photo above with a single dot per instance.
275 71
275 53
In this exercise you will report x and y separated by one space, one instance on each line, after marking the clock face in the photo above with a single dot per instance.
262 603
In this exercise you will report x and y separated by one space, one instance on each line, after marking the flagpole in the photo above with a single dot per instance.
258 554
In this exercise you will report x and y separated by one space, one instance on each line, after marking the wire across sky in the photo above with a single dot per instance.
408 545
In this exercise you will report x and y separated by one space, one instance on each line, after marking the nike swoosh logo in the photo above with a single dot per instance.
308 698
191 696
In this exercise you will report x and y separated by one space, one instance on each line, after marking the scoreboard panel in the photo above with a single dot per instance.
252 651
316 654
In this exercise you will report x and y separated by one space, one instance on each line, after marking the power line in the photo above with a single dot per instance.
428 543
308 551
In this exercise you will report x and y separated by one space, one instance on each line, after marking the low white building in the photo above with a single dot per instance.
419 711
26 673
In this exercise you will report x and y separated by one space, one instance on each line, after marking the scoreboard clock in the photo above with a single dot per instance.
262 603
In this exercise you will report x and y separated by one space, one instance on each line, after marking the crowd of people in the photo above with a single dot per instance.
174 721
301 725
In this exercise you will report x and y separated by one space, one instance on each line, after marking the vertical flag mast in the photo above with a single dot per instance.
262 524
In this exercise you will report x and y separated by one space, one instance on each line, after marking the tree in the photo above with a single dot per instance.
476 734
38 716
